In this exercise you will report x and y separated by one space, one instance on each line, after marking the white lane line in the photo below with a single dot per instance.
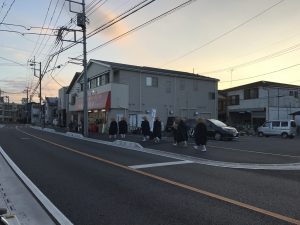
160 164
50 207
233 165
262 153
25 138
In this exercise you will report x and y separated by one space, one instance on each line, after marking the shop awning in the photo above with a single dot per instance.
95 101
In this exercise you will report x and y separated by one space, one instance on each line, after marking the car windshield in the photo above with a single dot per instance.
218 123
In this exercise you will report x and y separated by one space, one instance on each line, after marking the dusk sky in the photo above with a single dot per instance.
235 41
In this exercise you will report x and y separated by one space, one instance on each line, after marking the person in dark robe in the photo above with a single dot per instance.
145 128
180 133
123 127
113 128
200 135
157 130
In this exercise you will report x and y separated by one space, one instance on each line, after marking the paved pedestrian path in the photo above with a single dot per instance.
22 207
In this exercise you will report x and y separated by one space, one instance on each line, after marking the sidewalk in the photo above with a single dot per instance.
22 207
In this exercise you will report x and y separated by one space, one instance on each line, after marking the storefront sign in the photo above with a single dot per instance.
95 101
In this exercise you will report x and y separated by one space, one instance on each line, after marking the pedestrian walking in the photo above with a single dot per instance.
175 130
200 135
145 128
123 127
157 130
113 128
180 134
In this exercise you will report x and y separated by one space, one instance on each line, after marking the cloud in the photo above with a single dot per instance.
102 16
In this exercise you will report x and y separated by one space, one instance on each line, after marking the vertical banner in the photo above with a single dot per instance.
152 118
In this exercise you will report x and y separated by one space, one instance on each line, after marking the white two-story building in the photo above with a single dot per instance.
121 90
254 103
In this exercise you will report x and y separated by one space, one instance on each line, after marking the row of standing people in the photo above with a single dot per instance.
122 128
180 132
114 128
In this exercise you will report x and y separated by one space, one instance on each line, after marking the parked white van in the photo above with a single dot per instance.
285 128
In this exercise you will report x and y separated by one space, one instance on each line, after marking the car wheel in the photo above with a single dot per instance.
284 135
218 136
260 134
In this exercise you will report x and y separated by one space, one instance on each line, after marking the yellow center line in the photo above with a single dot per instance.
177 184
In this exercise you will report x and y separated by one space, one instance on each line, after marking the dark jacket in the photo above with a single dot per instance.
123 128
113 128
200 134
145 128
181 133
157 129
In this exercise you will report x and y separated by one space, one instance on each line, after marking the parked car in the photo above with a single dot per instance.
283 128
215 129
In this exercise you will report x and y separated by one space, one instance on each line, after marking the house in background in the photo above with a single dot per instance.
119 90
34 112
252 104
62 106
50 109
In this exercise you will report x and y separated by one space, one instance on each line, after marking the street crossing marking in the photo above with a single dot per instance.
160 164
177 184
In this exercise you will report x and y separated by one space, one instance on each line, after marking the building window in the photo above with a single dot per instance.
98 81
294 94
151 81
73 99
251 93
234 100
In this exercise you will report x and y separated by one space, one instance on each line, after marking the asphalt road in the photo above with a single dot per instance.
95 184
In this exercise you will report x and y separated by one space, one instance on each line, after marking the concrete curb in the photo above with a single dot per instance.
71 134
128 144
49 206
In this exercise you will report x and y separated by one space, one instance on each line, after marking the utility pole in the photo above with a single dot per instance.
27 102
39 76
81 22
85 101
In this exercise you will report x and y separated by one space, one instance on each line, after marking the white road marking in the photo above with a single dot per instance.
233 165
262 153
25 138
160 164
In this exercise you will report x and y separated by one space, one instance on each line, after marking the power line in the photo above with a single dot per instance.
270 56
12 61
7 11
223 34
37 51
26 28
264 74
27 33
41 29
117 19
95 9
142 25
